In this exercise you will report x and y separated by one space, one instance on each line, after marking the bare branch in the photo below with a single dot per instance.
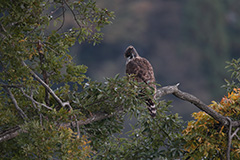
229 138
167 90
59 101
20 111
93 118
34 101
10 133
9 85
194 100
235 134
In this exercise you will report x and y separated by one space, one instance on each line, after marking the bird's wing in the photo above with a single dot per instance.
141 69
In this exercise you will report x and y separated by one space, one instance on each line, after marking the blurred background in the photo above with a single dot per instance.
186 41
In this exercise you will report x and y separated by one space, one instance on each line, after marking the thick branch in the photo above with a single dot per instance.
10 133
194 100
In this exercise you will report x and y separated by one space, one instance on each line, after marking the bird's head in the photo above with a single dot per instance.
130 53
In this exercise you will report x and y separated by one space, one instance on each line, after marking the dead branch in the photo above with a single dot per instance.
10 133
229 142
59 101
20 111
34 101
194 100
235 134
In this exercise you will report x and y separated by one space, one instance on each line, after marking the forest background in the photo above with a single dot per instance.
187 42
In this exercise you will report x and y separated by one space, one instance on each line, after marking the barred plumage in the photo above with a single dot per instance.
142 71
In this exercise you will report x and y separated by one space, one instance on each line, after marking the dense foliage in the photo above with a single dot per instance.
35 60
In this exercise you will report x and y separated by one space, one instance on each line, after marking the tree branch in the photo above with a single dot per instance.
93 118
9 86
194 100
74 15
235 134
160 92
34 101
9 133
20 111
59 101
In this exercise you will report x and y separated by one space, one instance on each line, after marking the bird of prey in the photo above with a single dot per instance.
142 71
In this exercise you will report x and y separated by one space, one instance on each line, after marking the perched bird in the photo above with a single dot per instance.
142 71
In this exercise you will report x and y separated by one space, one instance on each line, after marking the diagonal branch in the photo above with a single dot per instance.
235 134
194 100
10 133
20 111
34 101
59 101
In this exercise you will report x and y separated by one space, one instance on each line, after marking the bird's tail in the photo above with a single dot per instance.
151 107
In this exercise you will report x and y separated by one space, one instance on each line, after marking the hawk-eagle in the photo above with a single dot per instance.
142 71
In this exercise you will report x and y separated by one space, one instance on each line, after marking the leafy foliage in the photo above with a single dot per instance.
234 67
28 34
149 138
33 33
206 138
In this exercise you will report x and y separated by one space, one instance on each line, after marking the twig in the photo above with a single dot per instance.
74 15
235 134
34 105
20 111
5 31
63 20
